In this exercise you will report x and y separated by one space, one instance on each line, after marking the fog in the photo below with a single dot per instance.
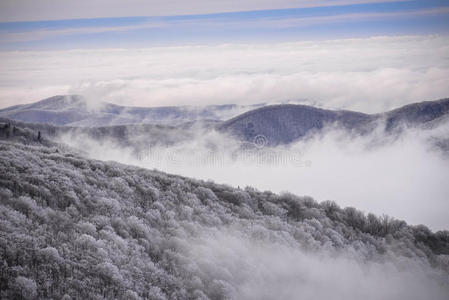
402 175
366 74
247 268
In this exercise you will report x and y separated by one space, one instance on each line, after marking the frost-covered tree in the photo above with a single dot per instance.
75 228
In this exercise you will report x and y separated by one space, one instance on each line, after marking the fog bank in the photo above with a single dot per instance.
368 74
404 176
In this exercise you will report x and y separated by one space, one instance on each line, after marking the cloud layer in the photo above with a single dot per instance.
276 270
404 177
370 75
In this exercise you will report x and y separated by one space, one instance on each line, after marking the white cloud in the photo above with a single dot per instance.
370 74
404 178
279 268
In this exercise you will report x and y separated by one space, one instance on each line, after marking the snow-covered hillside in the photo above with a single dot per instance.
75 228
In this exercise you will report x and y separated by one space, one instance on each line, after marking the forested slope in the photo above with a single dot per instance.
77 228
284 124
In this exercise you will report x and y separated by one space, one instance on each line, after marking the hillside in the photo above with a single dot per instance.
136 136
76 228
417 113
283 124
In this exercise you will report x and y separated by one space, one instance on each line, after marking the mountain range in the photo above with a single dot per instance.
74 110
276 124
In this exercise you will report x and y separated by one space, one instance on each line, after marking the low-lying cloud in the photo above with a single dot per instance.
369 74
402 176
249 268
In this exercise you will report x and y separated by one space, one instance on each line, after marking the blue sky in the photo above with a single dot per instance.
327 21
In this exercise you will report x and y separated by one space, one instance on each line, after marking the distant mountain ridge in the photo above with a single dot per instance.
283 124
277 124
74 110
417 113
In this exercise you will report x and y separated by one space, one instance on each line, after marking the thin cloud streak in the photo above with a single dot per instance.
307 21
219 22
29 10
36 35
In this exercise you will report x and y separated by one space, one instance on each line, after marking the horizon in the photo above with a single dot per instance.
262 104
326 53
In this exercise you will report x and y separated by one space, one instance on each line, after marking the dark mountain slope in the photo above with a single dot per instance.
283 124
74 228
416 113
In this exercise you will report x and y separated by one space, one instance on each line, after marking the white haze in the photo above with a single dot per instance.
367 74
258 265
404 177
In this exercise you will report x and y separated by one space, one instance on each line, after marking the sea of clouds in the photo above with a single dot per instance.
367 74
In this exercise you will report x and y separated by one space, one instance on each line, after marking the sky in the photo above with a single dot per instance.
151 53
53 25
